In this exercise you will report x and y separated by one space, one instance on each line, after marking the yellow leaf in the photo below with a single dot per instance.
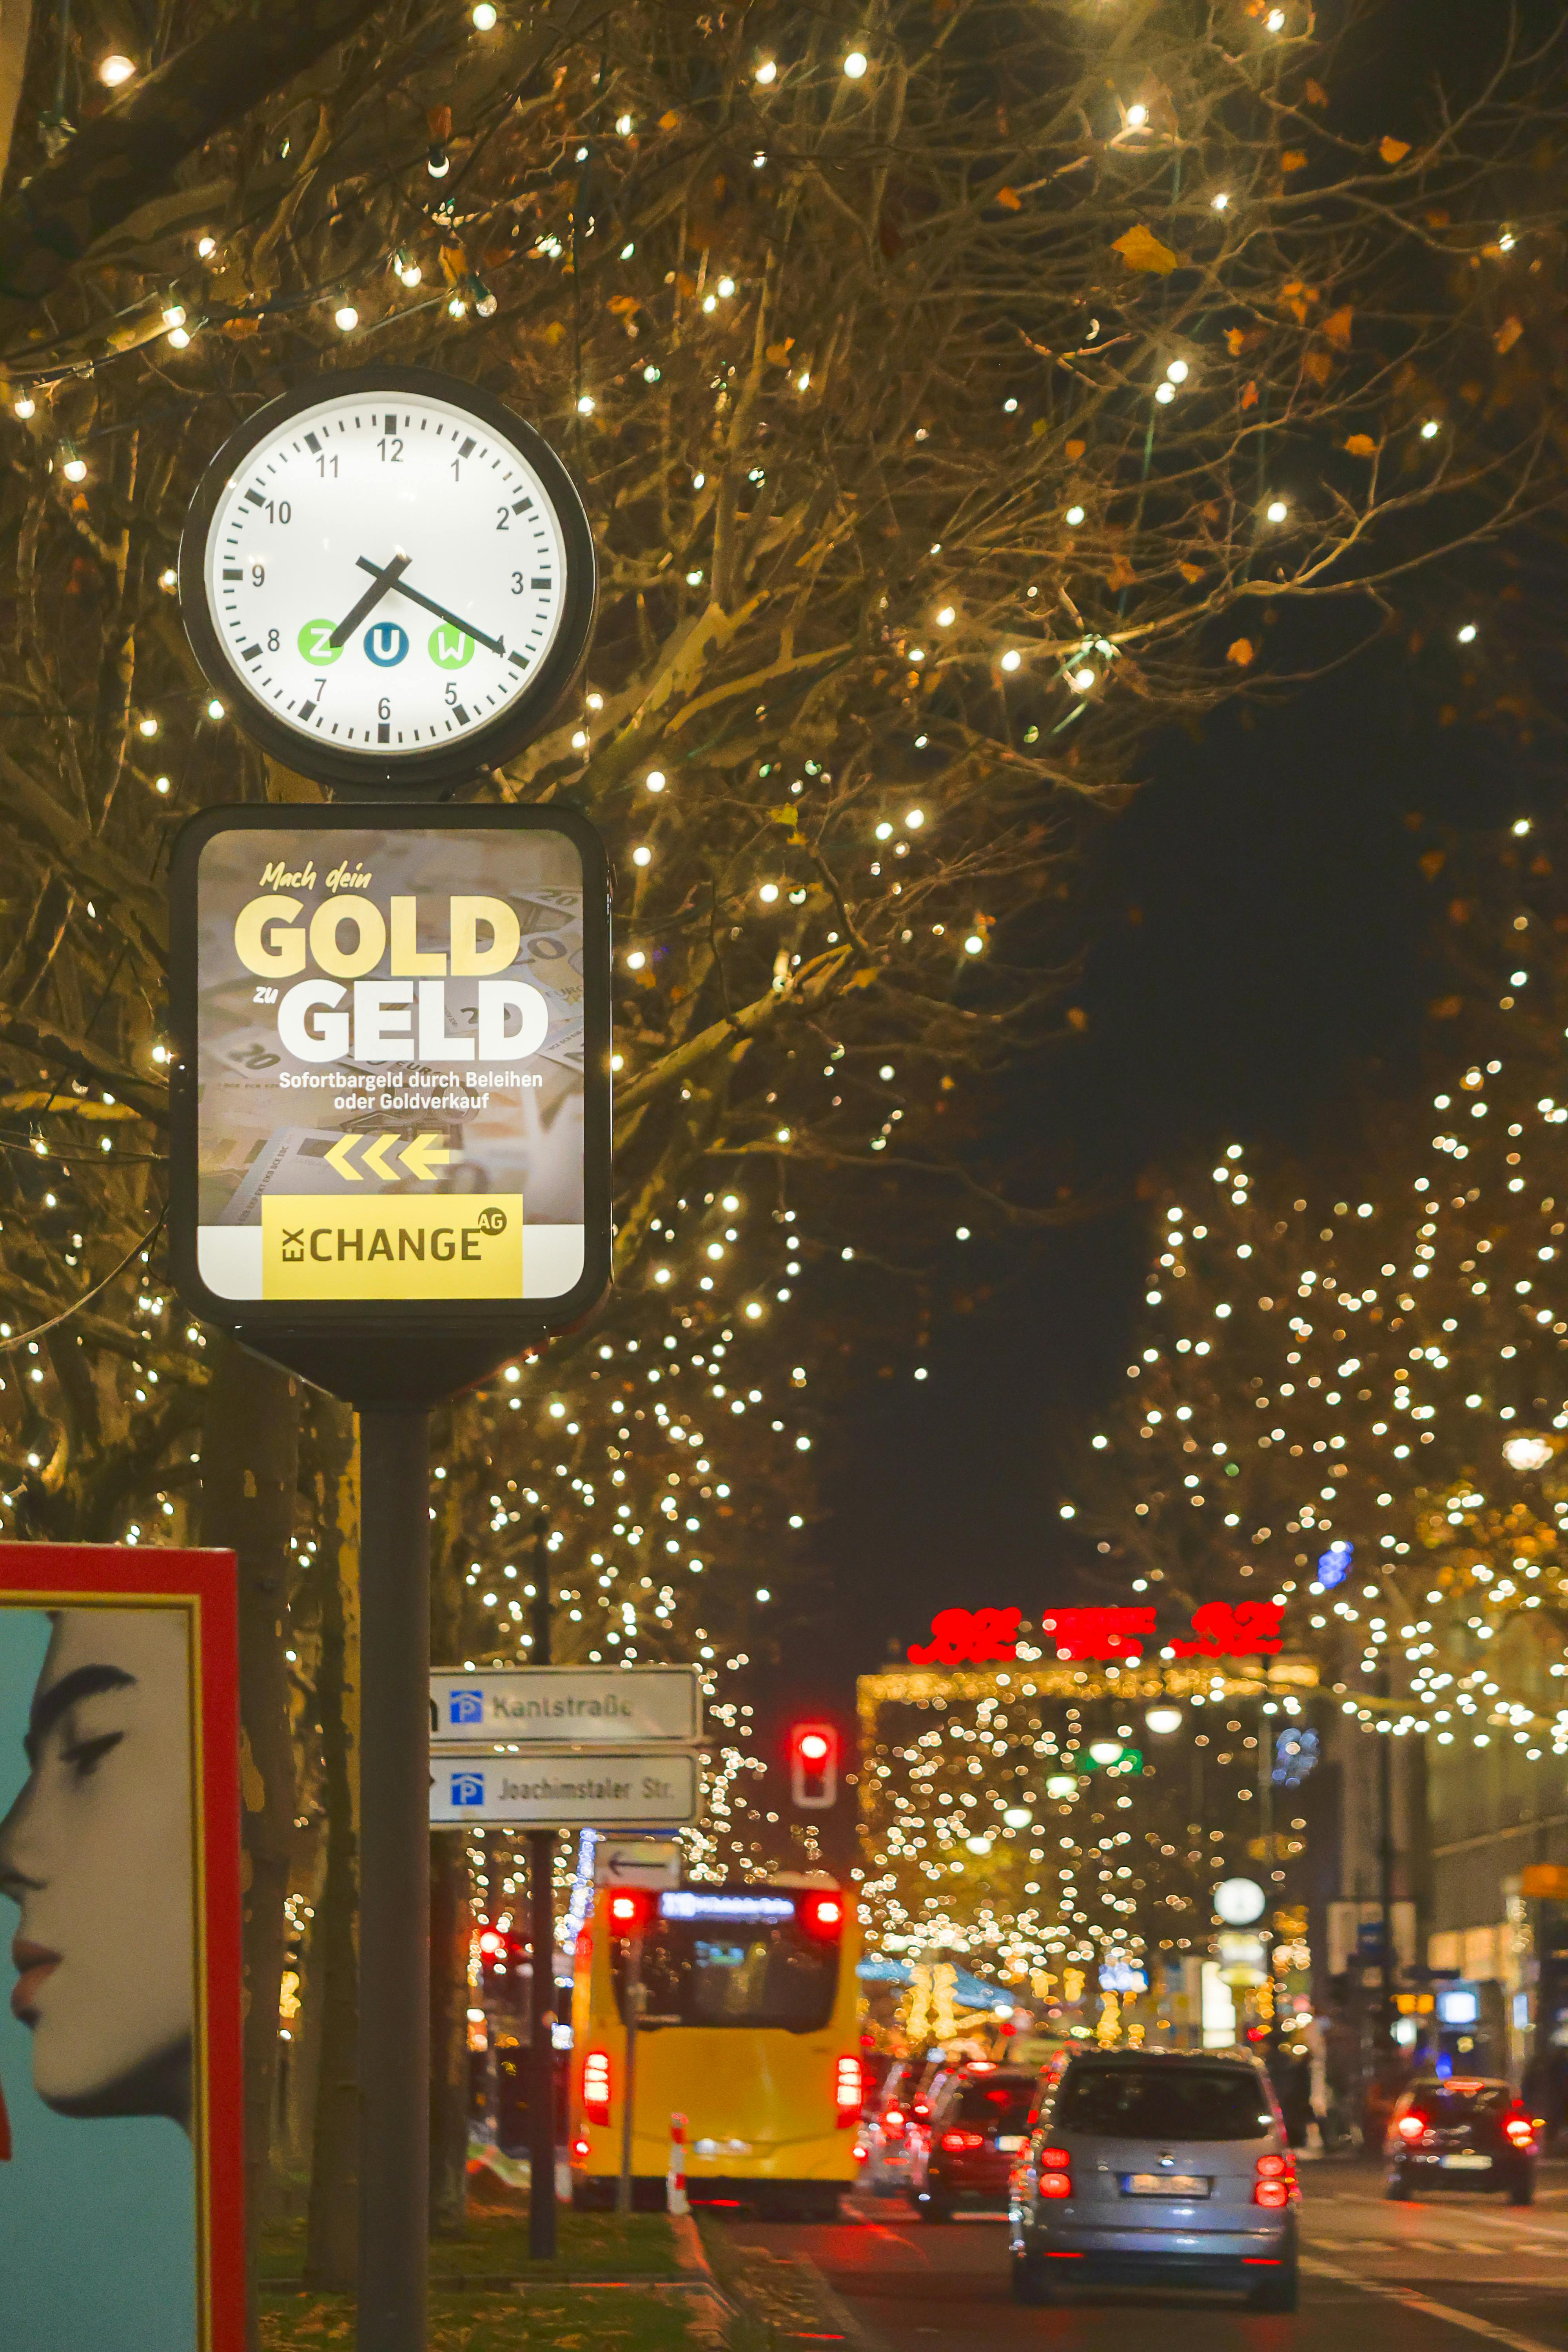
1294 159
786 814
1250 394
454 263
1077 1017
623 305
1121 574
1076 448
1009 199
1507 334
1191 573
1241 652
779 352
1317 367
1393 151
1141 249
670 121
555 332
1316 94
1337 327
1362 445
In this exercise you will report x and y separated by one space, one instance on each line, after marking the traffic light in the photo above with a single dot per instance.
500 1952
631 1911
814 1766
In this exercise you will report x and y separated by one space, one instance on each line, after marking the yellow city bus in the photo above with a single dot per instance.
750 2030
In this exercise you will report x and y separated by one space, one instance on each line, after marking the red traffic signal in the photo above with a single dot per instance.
630 1910
814 1766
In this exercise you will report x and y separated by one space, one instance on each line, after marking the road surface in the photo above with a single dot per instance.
1450 2274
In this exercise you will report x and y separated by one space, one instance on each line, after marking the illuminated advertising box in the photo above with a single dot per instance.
120 2098
391 1098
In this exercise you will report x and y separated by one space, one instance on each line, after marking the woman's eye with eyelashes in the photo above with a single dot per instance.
84 1756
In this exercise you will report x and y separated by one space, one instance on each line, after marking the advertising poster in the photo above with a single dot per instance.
119 2030
391 1023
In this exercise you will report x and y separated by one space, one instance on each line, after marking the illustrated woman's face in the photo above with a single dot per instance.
95 1853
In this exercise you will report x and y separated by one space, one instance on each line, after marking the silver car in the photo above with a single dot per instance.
1155 2167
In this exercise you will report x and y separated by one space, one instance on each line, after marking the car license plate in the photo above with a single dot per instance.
1164 2184
1465 2163
1009 2143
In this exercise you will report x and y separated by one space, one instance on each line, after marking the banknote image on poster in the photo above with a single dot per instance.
390 1064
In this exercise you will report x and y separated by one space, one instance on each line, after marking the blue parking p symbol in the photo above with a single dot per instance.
468 1787
468 1707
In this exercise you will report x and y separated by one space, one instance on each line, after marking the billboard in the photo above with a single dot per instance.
120 2157
392 1086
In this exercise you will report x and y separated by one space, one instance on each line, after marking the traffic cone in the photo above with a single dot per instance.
674 2197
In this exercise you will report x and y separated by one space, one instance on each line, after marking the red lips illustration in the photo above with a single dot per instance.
34 1964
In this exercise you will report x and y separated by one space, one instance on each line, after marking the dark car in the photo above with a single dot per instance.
1149 2166
1469 2132
966 2148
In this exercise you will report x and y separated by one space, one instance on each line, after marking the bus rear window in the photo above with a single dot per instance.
733 1973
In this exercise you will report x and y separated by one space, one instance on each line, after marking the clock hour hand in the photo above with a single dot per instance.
382 580
440 611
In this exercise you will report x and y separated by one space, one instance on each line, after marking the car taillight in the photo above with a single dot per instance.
1520 2130
847 2091
956 2141
579 2151
596 2086
893 2124
1275 2181
1412 2127
1055 2172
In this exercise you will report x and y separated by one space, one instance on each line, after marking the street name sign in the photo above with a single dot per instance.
608 1787
650 1863
567 1706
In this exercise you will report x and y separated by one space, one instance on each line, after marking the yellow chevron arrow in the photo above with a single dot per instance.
374 1156
423 1155
338 1158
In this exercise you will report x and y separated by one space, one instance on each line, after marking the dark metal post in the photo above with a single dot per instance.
1265 1823
629 2096
1387 2007
542 2005
395 1880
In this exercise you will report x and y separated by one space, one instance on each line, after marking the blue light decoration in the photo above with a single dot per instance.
1295 1754
1334 1565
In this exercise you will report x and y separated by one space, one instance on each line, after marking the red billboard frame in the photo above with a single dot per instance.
204 1582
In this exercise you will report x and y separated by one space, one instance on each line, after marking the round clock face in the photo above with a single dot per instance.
394 574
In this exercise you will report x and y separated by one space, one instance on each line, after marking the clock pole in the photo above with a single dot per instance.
394 1878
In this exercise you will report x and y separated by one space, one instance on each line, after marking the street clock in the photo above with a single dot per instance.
392 578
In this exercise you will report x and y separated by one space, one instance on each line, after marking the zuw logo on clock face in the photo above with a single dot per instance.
394 574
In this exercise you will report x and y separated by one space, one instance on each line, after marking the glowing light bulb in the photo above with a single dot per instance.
1137 117
1178 371
1011 659
1277 510
768 893
1430 430
205 247
855 64
75 469
655 779
215 709
345 318
484 16
27 407
115 69
642 855
585 405
1275 20
974 944
1075 515
1220 201
726 288
1467 634
1165 393
1081 679
767 73
915 819
946 617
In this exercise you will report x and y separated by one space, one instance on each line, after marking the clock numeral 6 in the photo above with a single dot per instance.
383 707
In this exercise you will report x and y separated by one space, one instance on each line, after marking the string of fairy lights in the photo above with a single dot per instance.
1367 1401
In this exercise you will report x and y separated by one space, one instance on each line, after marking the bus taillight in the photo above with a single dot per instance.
847 2092
824 1915
596 2086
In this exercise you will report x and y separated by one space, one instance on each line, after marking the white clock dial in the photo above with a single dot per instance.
385 573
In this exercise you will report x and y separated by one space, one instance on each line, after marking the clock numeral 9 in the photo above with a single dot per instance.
257 574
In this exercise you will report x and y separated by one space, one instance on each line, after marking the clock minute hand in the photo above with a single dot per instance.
382 578
430 605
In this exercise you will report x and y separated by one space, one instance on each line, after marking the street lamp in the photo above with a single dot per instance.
1164 1718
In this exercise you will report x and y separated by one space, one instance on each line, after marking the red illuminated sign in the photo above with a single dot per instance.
1220 1629
969 1637
1240 1629
1098 1632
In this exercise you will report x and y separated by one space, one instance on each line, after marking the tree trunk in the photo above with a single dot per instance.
331 2243
249 1464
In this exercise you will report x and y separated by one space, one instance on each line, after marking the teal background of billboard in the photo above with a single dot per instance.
98 2226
